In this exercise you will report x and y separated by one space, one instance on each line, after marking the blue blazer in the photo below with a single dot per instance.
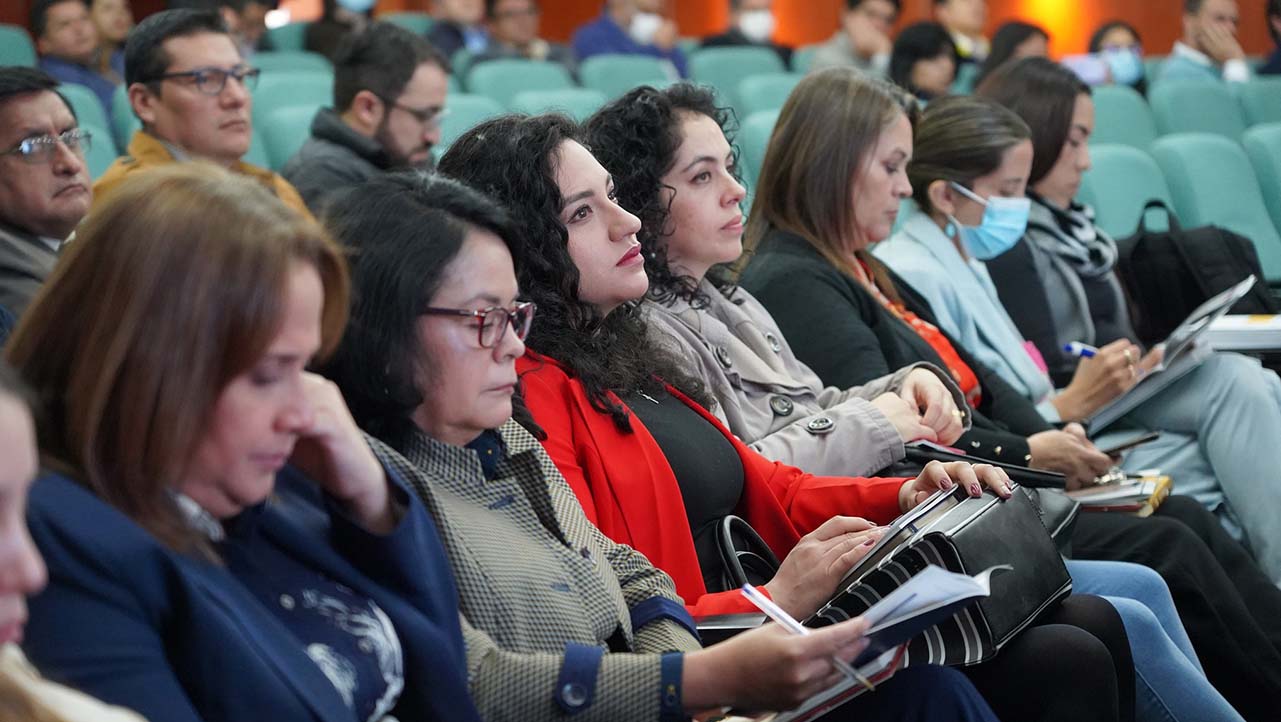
180 639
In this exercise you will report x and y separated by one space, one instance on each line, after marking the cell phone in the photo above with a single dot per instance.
1131 443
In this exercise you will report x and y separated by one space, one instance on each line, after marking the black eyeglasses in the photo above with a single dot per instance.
42 148
427 117
211 81
494 321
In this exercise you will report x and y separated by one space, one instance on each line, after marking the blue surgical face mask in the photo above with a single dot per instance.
1004 221
1126 65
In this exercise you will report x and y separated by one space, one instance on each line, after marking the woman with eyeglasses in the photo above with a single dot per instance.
222 544
558 619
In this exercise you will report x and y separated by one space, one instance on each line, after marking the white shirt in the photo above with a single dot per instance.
1234 71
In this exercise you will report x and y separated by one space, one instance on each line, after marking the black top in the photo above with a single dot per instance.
838 329
1273 65
706 466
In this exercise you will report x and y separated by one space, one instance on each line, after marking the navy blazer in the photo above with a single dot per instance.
178 638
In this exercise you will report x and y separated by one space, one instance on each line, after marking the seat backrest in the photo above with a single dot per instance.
257 153
16 47
753 139
284 131
967 75
766 92
123 122
1212 182
1196 106
465 111
85 103
291 60
724 67
285 88
102 150
614 75
578 103
1122 116
1121 180
803 58
1263 146
501 80
288 37
417 23
1261 99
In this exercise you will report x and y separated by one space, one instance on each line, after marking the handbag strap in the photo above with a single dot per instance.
747 559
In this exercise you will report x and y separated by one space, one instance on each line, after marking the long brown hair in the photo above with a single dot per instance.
820 146
173 287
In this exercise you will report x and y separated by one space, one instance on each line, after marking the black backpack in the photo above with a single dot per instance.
1168 274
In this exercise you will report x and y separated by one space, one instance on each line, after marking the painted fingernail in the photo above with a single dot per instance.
869 542
947 482
975 490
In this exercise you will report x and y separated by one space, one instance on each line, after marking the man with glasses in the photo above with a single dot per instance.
389 98
513 34
192 91
44 183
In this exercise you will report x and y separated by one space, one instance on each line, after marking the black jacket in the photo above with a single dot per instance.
334 158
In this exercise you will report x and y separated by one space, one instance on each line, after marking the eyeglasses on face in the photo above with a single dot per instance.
211 81
42 148
494 320
427 117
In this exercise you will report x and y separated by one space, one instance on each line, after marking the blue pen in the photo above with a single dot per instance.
1080 350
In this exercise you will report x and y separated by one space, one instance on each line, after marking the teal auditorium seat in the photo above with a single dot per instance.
285 88
803 58
614 75
1122 116
291 61
501 80
85 103
123 122
1212 182
1187 106
753 139
1263 145
465 111
765 92
724 68
417 23
16 47
578 103
288 37
967 75
284 131
460 63
1261 100
102 150
1121 180
1152 67
257 153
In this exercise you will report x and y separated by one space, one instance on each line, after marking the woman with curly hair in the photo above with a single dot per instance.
655 470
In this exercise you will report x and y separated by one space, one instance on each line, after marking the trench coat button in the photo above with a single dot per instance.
573 694
775 345
781 405
722 355
820 425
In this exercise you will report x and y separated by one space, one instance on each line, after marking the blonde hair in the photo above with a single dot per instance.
174 286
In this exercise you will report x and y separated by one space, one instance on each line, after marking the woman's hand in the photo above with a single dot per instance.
1099 380
923 390
1070 453
808 575
905 418
332 451
769 668
938 475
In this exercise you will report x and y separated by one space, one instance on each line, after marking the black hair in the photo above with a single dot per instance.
513 158
145 56
1096 40
238 6
916 42
1005 41
1043 93
492 5
636 138
381 59
11 384
39 17
1192 7
18 80
401 231
853 4
1273 10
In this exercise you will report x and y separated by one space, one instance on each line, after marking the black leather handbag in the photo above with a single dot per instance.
745 557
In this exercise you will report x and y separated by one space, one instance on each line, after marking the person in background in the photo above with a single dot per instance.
459 26
246 20
751 23
513 33
1272 15
68 45
631 27
44 182
190 88
338 18
1118 44
863 40
964 20
1209 49
389 97
113 19
1013 40
924 60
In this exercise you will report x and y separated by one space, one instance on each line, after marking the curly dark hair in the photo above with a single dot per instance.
513 159
636 138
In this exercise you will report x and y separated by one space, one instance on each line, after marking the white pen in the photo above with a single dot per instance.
775 612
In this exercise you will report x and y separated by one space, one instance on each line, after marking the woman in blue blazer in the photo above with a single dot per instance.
221 542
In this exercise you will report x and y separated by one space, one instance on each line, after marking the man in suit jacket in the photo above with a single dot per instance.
44 182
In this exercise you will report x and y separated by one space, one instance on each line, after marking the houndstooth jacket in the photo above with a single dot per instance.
544 594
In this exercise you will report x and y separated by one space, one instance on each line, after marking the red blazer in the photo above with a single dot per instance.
628 489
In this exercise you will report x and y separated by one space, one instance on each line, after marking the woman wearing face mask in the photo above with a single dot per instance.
850 319
751 22
1121 48
655 470
445 401
222 544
